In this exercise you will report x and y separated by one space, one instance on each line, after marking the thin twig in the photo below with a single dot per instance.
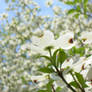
61 76
53 88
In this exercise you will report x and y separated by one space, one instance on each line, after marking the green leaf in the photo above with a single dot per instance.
81 79
74 84
76 15
86 16
58 89
62 56
80 1
88 55
48 48
23 55
85 10
49 85
71 11
69 3
13 0
46 57
46 70
85 6
24 80
55 54
75 1
78 9
85 2
49 64
72 51
81 51
55 57
42 91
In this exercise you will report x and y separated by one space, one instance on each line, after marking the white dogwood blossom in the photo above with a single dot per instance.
57 10
86 37
49 3
65 41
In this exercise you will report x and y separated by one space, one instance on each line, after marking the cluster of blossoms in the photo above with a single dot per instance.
29 37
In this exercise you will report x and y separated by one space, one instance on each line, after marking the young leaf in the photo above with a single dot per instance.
85 6
86 16
42 91
72 51
85 2
23 80
49 86
71 11
55 54
46 57
81 79
76 15
13 0
62 56
78 9
55 57
80 1
46 70
71 2
58 89
75 1
80 51
74 84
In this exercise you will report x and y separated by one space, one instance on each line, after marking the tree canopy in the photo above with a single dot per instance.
40 53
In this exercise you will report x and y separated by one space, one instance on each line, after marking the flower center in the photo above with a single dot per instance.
35 81
84 39
70 40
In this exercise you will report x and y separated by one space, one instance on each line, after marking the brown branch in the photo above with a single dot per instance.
61 76
53 88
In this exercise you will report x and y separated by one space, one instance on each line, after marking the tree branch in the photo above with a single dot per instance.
61 76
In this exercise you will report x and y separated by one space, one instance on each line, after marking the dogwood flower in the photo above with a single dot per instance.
57 10
44 40
86 37
84 66
49 3
25 46
88 66
78 66
65 41
41 42
40 80
3 16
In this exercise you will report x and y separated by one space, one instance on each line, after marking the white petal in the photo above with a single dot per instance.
43 41
63 41
86 37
